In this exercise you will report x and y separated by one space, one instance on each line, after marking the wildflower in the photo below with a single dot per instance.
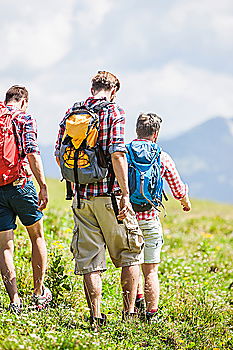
206 235
68 230
56 242
60 246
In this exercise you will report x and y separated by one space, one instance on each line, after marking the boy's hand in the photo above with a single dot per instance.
185 202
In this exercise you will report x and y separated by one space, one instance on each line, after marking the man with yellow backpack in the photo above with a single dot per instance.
90 150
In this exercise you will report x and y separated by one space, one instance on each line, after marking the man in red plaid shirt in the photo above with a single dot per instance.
147 129
18 198
95 222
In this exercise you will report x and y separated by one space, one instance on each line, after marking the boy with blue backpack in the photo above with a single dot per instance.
148 165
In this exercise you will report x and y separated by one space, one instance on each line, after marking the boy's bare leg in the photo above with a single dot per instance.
152 289
93 290
129 282
39 255
140 284
7 265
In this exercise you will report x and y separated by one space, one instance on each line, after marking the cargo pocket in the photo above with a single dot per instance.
74 242
134 233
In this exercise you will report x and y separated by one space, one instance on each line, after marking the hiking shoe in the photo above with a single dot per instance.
98 322
15 308
129 316
153 317
140 308
43 300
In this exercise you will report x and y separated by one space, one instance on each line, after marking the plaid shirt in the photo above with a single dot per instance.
172 177
111 138
25 130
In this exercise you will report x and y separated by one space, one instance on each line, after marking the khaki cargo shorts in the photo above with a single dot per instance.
96 228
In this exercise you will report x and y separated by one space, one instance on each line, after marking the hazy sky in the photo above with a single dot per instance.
173 57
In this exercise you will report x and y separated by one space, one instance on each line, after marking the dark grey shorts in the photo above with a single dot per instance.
18 201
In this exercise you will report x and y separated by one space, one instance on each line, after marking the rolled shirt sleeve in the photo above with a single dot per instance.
61 132
169 172
117 130
60 137
29 137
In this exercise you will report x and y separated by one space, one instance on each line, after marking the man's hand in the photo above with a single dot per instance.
43 198
37 169
185 202
124 207
120 167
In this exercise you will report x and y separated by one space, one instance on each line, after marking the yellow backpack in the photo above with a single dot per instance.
82 159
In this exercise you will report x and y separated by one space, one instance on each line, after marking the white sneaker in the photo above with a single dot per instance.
43 300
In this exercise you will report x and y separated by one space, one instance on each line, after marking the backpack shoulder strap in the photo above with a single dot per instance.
101 105
78 105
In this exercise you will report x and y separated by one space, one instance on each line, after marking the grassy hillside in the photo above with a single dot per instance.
196 287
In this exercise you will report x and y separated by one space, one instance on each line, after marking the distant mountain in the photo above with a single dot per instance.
203 155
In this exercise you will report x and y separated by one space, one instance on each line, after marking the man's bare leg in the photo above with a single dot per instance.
150 272
7 265
140 289
129 282
93 290
39 255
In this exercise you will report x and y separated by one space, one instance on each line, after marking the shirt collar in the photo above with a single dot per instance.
142 140
10 106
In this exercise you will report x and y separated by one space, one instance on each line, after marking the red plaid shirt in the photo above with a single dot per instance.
111 138
172 177
25 130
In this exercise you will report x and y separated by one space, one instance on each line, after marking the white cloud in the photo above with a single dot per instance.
92 13
183 95
207 16
36 36
172 57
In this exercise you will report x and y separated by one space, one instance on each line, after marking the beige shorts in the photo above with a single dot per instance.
96 228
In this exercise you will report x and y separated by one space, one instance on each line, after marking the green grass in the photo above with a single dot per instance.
196 277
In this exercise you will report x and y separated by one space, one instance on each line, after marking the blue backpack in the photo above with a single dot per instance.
145 181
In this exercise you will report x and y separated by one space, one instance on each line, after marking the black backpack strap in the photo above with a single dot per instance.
76 155
112 178
110 192
69 191
164 195
78 105
115 207
101 105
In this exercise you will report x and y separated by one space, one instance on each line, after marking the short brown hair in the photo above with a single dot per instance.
16 93
105 81
147 124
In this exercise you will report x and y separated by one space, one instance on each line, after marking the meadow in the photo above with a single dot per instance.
196 275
